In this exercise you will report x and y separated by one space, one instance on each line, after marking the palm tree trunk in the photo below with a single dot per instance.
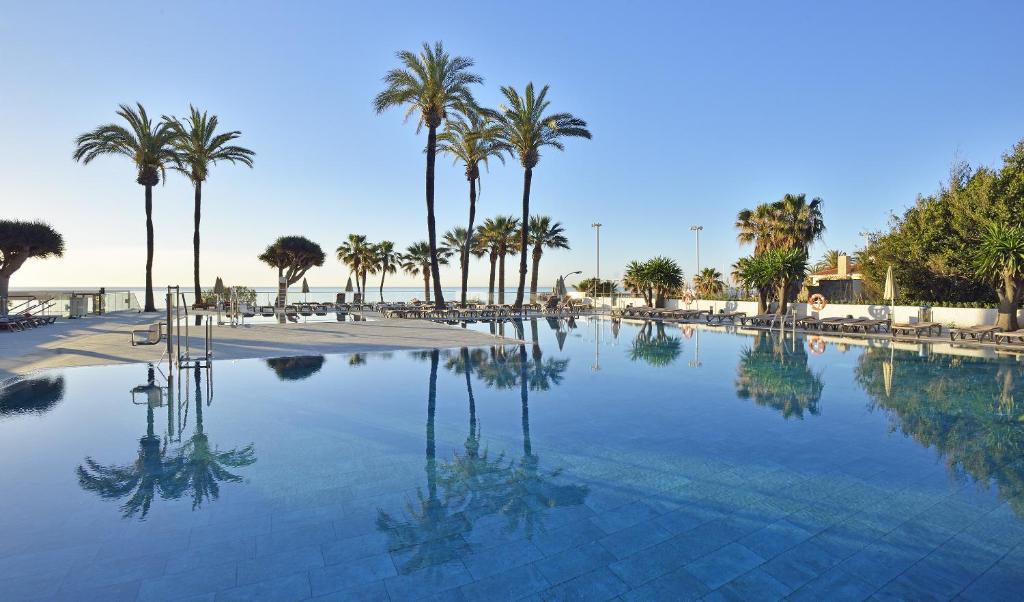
431 228
783 296
524 399
359 291
431 408
537 353
469 239
537 252
195 246
523 240
762 300
426 286
490 281
150 305
1009 297
383 274
364 285
5 284
501 274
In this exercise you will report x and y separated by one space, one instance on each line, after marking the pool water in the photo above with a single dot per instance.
599 460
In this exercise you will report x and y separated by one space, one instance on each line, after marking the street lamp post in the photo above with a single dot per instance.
696 231
597 281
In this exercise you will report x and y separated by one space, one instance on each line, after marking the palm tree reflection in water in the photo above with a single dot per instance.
193 469
654 346
775 374
475 484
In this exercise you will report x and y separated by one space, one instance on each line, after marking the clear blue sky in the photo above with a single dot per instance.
698 110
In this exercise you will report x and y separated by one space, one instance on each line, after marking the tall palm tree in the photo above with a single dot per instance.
457 241
198 147
418 260
149 144
432 83
544 234
525 129
386 261
487 243
709 282
505 230
353 253
471 139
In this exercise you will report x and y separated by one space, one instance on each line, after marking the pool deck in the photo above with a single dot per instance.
97 340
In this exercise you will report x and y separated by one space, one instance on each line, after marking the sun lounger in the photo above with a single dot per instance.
865 325
267 311
12 324
305 310
916 329
151 335
1004 338
978 333
732 316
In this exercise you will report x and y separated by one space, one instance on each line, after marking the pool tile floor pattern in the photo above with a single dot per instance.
801 538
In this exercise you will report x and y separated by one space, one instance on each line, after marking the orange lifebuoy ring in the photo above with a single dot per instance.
816 345
817 301
688 297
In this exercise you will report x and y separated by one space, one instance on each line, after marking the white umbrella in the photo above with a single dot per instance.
890 291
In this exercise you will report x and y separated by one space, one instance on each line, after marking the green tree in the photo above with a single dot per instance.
471 139
654 346
488 242
19 242
505 231
355 253
544 234
433 84
457 241
292 256
789 223
999 259
386 261
709 282
829 260
526 128
418 260
655 279
199 146
149 144
594 285
770 270
776 375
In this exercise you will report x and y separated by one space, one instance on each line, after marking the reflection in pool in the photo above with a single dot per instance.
597 459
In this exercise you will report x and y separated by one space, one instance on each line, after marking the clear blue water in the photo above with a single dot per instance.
606 460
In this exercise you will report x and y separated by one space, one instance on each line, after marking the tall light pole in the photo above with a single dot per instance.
597 281
696 231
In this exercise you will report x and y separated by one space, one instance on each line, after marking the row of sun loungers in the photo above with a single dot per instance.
21 322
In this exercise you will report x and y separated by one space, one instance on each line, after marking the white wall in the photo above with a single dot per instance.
950 316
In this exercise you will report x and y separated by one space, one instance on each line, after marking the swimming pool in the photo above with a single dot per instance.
598 460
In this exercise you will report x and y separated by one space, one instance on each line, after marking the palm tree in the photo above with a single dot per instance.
472 139
789 223
385 262
709 282
505 230
418 260
544 234
487 242
432 83
525 130
999 258
655 279
457 242
149 145
830 260
352 253
199 146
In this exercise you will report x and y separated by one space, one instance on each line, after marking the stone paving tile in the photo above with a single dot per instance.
835 584
559 540
632 539
880 562
290 588
291 539
512 584
723 565
347 575
201 580
574 562
998 583
114 571
32 586
368 592
500 559
755 586
678 585
279 565
428 581
350 548
237 550
595 586
121 592
429 553
654 562
627 515
776 538
923 581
